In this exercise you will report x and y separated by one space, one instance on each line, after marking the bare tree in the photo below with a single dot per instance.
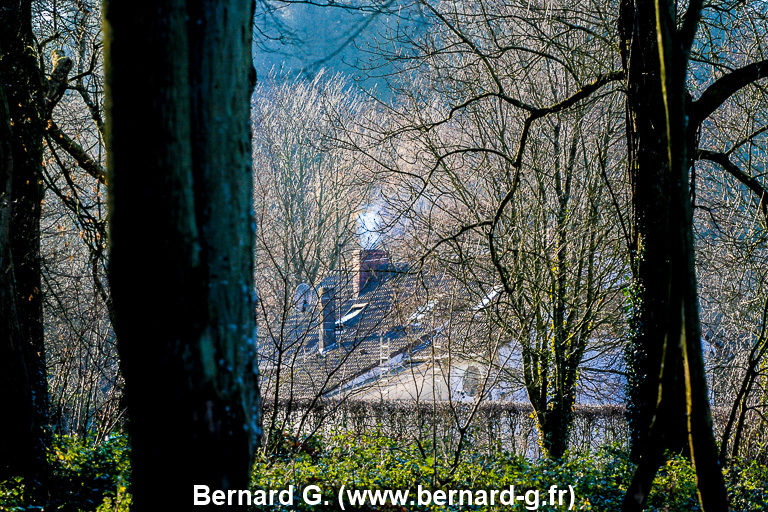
308 190
490 169
730 216
80 345
310 195
56 146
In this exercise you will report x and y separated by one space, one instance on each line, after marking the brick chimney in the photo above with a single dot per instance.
370 265
327 328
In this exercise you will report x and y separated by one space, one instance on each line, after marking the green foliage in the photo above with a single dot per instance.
90 477
85 476
674 487
284 444
599 480
12 495
748 483
374 462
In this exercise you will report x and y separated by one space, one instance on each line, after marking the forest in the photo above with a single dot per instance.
378 255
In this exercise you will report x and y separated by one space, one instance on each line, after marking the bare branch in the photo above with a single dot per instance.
76 151
755 186
725 87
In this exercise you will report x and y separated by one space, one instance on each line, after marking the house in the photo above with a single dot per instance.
376 331
381 331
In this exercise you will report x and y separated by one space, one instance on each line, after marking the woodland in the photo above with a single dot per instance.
583 183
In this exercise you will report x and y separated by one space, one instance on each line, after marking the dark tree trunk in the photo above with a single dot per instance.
17 437
671 390
179 80
649 175
558 420
22 349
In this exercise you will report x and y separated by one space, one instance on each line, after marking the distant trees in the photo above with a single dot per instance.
80 345
309 194
493 173
181 258
730 221
494 75
732 278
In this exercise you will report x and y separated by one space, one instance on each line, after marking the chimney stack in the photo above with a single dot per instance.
370 264
327 335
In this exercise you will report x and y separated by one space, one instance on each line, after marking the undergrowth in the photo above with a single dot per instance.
95 477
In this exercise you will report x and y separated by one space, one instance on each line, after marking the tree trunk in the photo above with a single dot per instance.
22 349
651 265
675 348
179 78
556 428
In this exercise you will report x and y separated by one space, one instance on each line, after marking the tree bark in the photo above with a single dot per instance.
649 175
675 348
181 258
22 349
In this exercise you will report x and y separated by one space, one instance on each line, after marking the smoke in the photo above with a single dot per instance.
370 225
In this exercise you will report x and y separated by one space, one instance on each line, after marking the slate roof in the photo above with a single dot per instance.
395 322
372 327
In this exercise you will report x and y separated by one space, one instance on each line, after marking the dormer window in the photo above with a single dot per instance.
353 315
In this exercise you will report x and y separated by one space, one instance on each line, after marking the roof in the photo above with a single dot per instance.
371 325
390 327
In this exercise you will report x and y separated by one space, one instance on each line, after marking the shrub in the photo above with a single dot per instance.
599 481
94 477
84 477
748 483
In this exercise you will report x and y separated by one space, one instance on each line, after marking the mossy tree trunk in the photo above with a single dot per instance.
650 179
179 80
23 385
655 57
